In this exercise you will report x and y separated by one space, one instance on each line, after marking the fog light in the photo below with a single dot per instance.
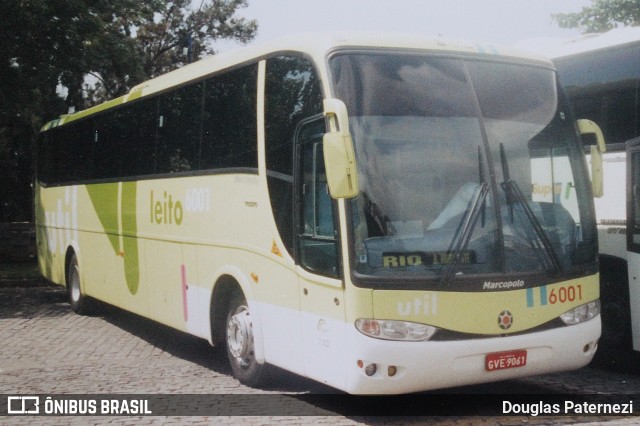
392 370
371 369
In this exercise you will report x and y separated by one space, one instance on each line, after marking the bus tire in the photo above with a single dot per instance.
240 343
78 301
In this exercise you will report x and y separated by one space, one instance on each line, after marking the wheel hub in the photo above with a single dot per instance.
239 335
75 285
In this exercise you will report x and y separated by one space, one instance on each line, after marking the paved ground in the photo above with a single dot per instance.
47 349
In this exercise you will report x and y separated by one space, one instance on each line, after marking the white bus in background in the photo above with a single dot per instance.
601 76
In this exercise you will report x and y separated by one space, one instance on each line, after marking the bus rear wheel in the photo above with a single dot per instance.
77 299
240 344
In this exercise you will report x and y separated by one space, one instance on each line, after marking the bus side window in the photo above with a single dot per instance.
292 93
229 121
179 124
317 245
316 201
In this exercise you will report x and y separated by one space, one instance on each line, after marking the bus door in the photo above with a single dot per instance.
320 286
633 236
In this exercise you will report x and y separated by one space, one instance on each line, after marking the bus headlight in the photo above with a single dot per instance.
582 313
395 330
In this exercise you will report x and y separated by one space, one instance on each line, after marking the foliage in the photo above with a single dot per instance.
46 45
170 37
602 16
163 42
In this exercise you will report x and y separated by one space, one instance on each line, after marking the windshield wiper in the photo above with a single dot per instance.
465 230
514 195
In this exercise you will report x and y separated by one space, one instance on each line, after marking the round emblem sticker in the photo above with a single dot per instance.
505 320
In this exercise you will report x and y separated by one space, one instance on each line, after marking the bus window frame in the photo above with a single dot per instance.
298 182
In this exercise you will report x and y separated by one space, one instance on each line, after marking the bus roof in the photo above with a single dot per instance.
591 42
315 44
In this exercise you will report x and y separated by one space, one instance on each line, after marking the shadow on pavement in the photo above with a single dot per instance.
33 302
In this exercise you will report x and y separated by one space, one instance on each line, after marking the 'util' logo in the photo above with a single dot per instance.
425 305
62 223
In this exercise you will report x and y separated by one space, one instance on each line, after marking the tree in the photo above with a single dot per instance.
46 45
164 41
174 35
602 16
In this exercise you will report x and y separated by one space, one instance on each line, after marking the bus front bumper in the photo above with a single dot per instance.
390 367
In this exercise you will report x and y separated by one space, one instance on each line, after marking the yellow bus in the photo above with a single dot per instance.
369 212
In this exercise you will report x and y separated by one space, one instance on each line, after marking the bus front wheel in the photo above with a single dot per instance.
240 343
77 299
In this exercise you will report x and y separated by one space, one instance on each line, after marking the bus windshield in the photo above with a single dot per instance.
467 167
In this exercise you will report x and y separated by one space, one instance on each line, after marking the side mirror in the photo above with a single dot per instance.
586 127
339 153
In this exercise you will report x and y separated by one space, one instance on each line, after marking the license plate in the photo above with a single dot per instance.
503 360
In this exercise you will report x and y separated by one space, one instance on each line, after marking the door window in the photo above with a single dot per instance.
317 246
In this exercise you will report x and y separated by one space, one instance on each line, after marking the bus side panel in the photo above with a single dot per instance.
274 303
323 329
109 246
167 261
198 229
162 284
156 248
89 219
634 296
51 207
239 239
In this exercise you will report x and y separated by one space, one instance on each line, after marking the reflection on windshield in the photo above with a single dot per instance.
465 168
